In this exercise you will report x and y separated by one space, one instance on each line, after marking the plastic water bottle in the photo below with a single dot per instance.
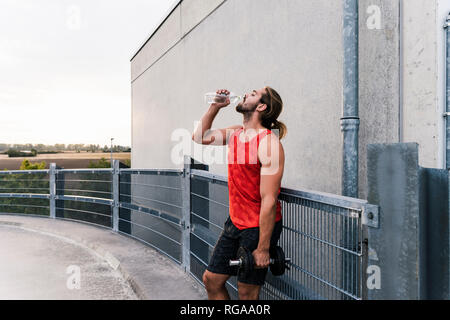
212 97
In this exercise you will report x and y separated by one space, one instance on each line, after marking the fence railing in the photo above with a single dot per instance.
181 212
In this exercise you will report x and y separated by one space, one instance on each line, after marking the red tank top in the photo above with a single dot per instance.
244 174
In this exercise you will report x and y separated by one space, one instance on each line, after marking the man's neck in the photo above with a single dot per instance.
252 125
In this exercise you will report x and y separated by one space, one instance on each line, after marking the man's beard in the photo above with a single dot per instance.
241 109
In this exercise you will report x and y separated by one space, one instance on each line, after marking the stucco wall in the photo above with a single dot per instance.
295 47
420 106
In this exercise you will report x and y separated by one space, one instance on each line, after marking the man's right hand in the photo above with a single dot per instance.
221 102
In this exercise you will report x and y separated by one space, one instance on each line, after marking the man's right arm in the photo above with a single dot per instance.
203 133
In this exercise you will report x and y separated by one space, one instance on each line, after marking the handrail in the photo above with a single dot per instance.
316 196
4 172
25 195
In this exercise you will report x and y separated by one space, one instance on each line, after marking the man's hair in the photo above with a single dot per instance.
269 117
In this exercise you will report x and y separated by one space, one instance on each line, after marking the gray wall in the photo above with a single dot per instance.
379 79
295 47
421 112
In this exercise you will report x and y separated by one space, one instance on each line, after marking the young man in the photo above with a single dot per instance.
255 170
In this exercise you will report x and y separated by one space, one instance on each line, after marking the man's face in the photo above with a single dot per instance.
250 101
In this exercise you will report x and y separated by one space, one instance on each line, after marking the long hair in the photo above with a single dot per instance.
269 117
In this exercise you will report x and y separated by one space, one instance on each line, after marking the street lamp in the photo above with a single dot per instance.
111 152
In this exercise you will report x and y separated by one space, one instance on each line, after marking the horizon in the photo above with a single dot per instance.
65 144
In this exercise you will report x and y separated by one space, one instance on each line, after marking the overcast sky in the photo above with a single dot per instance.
65 68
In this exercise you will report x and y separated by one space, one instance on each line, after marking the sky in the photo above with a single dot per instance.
65 68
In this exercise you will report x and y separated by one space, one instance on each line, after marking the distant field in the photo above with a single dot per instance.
66 160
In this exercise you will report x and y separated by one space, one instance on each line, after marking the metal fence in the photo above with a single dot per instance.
323 234
181 214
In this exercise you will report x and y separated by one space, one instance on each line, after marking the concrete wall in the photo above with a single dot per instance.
420 105
410 246
295 47
379 78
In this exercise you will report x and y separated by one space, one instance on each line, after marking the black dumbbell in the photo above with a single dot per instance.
278 262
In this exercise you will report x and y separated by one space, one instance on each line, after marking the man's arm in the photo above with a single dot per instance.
271 155
203 134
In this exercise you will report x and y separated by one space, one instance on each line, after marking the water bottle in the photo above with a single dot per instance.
212 97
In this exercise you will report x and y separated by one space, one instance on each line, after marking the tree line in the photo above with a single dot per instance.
43 148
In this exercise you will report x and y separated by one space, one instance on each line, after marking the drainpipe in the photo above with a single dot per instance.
350 118
350 128
447 81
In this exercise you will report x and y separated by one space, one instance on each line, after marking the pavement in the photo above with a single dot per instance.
51 259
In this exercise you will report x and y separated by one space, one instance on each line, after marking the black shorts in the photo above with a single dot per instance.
228 244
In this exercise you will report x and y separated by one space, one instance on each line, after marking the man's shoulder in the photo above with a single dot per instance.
270 146
270 138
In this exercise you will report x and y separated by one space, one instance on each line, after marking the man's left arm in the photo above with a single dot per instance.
271 155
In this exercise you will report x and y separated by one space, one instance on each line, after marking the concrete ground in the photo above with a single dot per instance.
42 258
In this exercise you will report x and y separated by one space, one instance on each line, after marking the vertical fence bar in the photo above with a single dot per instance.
186 216
116 192
52 184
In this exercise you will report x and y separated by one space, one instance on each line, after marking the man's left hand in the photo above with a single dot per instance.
262 258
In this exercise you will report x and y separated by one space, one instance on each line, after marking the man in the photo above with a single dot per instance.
255 170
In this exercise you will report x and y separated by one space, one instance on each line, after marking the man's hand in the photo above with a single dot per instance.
262 258
221 102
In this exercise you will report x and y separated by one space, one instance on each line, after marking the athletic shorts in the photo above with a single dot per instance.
228 244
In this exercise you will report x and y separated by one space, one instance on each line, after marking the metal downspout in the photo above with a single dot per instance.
350 118
350 128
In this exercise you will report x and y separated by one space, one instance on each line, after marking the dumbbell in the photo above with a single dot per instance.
278 263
